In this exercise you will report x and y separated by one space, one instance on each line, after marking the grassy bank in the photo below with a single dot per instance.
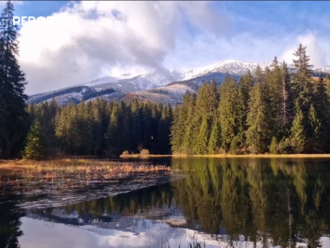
232 156
145 156
80 164
68 173
76 162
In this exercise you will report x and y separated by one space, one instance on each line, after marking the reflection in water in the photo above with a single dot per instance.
10 216
277 200
267 202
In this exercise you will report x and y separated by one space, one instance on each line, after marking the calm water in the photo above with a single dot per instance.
219 202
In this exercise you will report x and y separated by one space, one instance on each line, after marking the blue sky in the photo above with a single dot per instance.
175 35
39 8
288 15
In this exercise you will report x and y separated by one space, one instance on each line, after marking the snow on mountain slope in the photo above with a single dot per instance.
131 83
231 66
170 94
155 85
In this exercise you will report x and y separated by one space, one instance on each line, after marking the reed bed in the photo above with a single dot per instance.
70 173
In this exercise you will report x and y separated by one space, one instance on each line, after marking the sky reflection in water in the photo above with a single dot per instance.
270 202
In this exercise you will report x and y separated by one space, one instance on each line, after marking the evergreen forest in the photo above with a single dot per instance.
278 110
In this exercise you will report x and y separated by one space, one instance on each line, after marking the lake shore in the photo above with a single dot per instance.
229 156
95 162
64 163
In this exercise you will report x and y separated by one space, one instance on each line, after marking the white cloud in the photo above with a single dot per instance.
103 36
316 51
111 38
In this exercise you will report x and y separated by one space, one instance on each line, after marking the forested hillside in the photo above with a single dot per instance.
273 112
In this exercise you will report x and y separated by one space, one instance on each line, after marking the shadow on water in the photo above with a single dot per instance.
267 202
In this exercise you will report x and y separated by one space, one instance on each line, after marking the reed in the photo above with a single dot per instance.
72 173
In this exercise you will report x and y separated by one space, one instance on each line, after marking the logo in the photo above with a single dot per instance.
21 21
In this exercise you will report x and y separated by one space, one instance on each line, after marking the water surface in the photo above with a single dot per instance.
220 202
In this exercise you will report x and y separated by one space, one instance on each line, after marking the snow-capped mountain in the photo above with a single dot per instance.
160 85
233 67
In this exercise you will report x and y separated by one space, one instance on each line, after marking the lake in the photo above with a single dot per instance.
219 202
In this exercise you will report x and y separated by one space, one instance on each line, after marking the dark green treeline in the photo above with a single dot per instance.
273 112
97 128
13 117
279 201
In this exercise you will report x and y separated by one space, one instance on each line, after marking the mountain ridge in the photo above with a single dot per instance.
146 85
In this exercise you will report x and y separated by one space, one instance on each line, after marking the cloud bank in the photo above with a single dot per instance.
111 38
100 38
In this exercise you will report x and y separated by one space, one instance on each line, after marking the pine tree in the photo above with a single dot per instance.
228 111
35 143
137 125
201 145
214 142
234 145
187 124
245 85
298 132
273 146
303 94
13 117
163 133
286 111
175 138
258 135
113 134
319 117
202 110
274 86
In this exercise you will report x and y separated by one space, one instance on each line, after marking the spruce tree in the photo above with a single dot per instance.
35 147
214 142
275 97
113 133
163 133
202 110
245 85
258 135
137 125
319 117
13 117
175 138
303 94
298 133
201 145
228 111
273 146
286 111
188 125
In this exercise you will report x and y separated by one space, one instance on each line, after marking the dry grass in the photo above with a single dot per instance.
68 173
69 165
145 156
257 155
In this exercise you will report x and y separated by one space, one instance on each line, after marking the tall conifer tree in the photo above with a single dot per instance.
13 117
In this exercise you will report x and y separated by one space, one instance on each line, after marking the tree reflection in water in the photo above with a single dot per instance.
10 216
277 202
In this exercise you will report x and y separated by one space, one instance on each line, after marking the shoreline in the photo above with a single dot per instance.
229 156
100 162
